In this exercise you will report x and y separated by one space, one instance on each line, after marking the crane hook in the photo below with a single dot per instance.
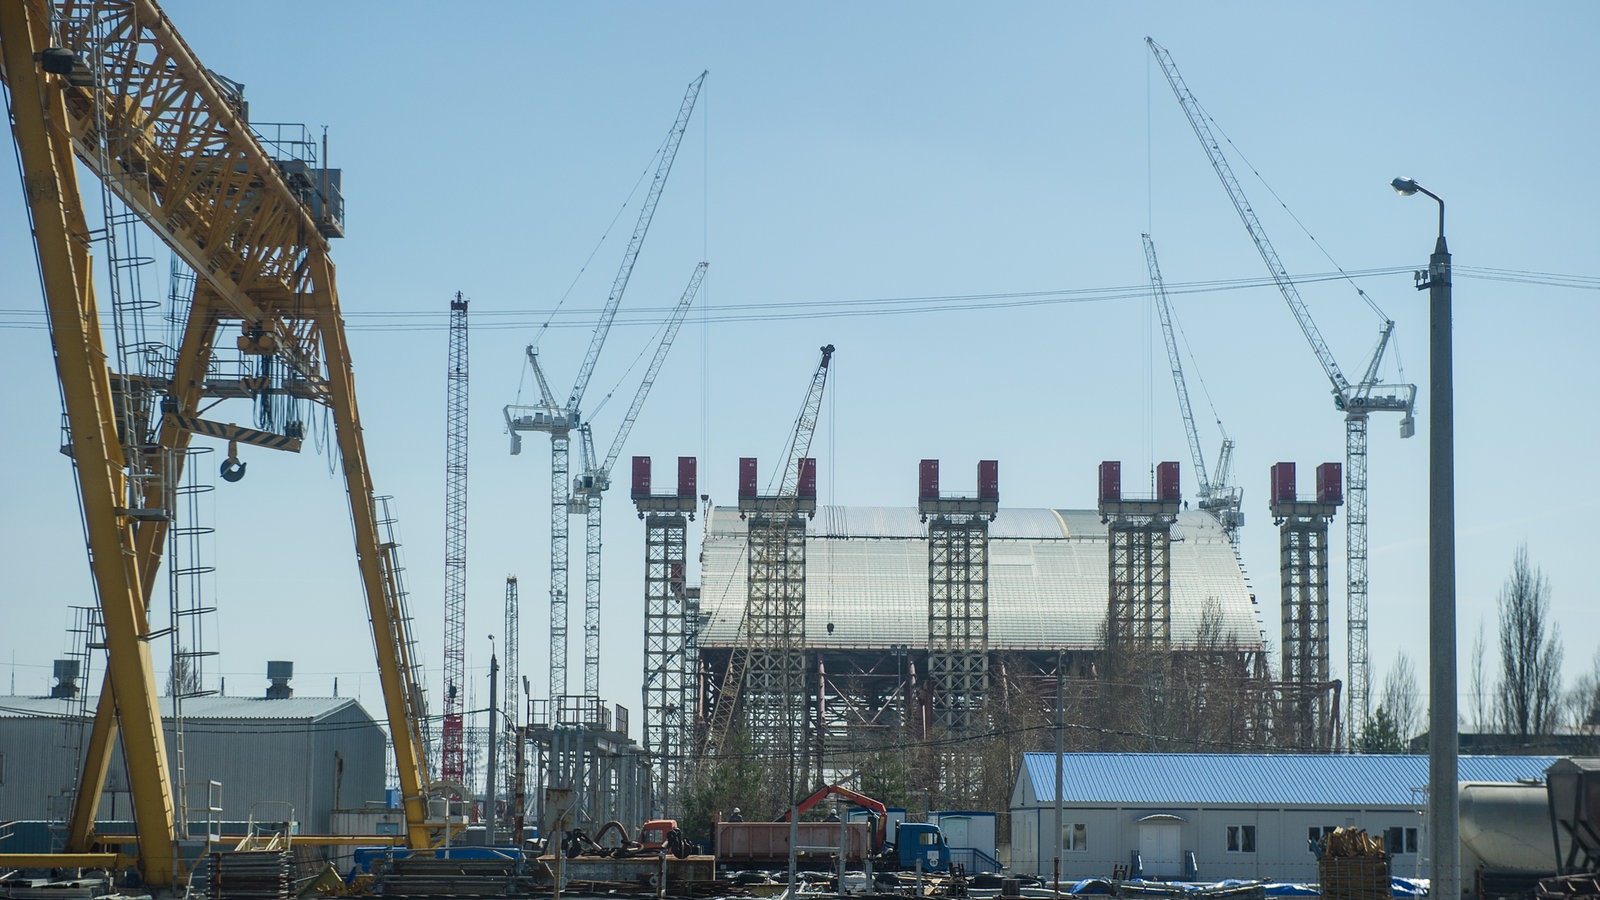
232 468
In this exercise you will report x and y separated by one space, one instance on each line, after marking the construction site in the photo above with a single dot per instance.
891 662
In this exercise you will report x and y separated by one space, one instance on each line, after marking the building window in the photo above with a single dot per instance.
1075 837
1241 839
1400 839
1315 834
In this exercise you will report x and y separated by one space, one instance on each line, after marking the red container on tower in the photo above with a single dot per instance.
641 477
1168 489
1110 481
747 478
808 479
928 480
1282 482
989 479
1330 483
687 477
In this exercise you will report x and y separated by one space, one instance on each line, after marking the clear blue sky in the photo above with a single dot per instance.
845 154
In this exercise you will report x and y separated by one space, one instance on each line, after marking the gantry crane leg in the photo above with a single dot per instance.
61 237
193 359
403 728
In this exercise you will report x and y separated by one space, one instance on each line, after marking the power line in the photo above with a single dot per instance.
790 310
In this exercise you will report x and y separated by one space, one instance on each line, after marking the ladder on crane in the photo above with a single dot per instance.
1356 401
1223 500
560 419
204 173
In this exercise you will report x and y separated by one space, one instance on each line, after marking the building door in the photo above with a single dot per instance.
1158 849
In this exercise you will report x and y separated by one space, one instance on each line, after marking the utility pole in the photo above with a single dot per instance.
494 742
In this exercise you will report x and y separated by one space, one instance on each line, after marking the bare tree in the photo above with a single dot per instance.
1528 700
1401 698
1584 700
1480 692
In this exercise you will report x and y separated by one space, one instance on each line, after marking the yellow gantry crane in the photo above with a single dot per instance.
113 86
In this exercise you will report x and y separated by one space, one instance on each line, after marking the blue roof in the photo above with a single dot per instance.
1278 779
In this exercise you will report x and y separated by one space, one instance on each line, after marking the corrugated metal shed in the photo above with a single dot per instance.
310 755
1255 779
287 709
867 574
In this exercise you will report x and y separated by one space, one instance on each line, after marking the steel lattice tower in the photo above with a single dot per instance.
1307 720
1140 546
775 685
512 638
668 682
560 441
452 767
958 620
1355 530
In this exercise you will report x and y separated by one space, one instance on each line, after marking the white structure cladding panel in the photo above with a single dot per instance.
867 574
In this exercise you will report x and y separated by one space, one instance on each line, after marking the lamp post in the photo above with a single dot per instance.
1444 805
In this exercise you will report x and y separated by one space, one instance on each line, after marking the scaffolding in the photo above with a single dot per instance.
586 771
958 621
1140 544
668 672
1306 720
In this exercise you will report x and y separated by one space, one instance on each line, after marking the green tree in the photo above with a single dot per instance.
731 780
1381 734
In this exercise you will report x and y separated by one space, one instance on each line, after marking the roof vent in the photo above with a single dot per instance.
279 672
66 686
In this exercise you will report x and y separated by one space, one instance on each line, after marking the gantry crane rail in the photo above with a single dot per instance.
1356 401
113 86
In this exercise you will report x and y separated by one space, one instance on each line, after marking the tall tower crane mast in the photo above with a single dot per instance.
1221 499
590 485
452 765
1356 401
560 419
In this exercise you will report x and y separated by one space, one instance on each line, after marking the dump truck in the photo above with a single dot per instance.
759 845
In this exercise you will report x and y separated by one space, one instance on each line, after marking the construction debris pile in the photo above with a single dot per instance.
1352 865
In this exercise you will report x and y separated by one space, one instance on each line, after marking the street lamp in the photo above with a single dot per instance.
1444 808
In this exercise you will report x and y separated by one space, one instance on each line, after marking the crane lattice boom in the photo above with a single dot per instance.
1354 401
647 212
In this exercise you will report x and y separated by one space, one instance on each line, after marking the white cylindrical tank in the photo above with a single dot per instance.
1506 827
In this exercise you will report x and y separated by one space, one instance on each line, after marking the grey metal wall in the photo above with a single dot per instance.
266 764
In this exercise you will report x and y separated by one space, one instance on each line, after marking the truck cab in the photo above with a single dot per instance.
921 842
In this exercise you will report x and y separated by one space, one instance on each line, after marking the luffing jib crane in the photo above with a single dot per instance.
559 420
1217 496
1356 401
112 86
772 627
590 484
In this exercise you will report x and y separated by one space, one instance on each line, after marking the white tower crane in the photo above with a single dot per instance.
1217 496
560 419
591 483
1356 401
